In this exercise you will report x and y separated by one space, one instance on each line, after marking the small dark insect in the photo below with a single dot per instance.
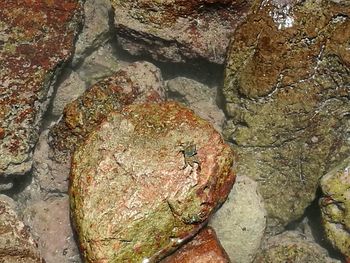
189 151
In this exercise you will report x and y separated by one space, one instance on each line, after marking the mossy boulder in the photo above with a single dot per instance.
145 180
287 92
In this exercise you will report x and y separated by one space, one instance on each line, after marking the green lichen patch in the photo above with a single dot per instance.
132 195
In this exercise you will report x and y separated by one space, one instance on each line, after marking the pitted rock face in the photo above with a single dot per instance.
133 195
287 92
178 30
36 37
137 83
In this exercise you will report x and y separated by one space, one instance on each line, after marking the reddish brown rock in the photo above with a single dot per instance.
145 180
178 30
36 37
16 243
138 82
203 248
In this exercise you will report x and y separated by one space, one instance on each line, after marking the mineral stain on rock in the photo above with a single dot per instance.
133 196
32 47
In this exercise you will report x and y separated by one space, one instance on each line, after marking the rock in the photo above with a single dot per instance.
178 30
335 206
203 248
240 223
49 221
292 246
16 242
145 180
96 29
197 96
139 82
36 38
287 93
70 89
99 64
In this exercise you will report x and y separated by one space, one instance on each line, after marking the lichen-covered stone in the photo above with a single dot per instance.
287 93
335 206
240 222
178 30
145 180
36 37
203 248
16 243
139 82
292 246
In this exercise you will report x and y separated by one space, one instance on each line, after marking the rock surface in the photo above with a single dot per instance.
335 206
16 243
287 93
156 173
198 97
49 221
203 248
139 82
240 222
178 30
291 246
32 48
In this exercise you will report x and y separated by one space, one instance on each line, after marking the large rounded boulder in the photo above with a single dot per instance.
145 181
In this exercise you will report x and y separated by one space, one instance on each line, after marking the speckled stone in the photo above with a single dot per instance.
139 82
16 242
36 37
287 92
145 180
335 206
203 248
178 30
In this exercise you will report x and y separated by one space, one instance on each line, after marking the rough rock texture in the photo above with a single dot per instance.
70 89
32 47
156 173
292 246
287 93
198 97
16 242
139 82
50 224
96 28
203 248
178 30
240 223
335 206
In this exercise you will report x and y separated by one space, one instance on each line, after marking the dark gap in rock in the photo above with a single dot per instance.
20 182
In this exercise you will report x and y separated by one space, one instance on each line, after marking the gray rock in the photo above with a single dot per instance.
71 88
50 224
240 222
287 100
96 29
16 242
335 206
197 96
292 246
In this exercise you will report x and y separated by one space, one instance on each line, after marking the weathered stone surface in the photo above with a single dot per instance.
178 30
335 206
287 92
291 246
50 224
16 242
70 89
203 248
96 28
240 222
145 180
36 37
198 97
139 82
